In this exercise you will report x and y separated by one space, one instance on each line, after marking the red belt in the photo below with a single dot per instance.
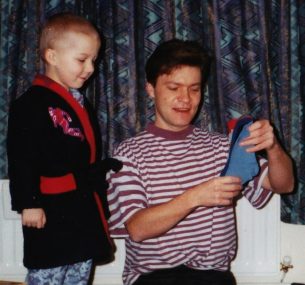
57 185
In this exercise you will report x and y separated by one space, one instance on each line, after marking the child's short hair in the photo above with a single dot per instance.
173 54
57 25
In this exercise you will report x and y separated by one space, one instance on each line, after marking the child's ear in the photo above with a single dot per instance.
150 89
50 56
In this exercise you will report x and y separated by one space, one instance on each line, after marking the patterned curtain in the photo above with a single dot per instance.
258 52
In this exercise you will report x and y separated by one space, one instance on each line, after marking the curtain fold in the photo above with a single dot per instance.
258 51
293 206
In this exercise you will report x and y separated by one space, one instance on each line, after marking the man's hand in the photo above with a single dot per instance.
261 137
34 218
280 178
218 191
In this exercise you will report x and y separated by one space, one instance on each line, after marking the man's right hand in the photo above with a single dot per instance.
34 218
218 191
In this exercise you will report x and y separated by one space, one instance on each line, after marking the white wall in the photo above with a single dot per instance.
293 245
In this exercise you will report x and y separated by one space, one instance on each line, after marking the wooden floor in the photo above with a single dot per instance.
10 283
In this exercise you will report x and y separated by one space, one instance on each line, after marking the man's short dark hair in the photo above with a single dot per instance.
173 54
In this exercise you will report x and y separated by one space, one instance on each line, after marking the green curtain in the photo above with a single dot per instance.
258 52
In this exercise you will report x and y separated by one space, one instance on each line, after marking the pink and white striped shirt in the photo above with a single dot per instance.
158 166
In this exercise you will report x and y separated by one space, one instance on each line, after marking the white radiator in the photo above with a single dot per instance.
257 262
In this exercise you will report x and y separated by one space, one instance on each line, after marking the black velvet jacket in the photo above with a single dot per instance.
51 135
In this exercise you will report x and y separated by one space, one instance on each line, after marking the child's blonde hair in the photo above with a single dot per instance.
59 24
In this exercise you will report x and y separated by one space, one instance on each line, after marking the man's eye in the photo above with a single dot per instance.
81 60
172 88
195 89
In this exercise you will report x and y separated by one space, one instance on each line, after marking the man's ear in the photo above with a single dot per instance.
50 56
150 89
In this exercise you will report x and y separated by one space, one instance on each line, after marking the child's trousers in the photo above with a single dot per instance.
74 274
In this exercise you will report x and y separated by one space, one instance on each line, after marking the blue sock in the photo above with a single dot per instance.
241 163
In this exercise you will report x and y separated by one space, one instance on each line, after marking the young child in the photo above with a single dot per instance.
57 180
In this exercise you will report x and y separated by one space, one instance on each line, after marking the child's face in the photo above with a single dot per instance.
71 61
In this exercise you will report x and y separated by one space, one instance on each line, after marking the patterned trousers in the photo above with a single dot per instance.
73 274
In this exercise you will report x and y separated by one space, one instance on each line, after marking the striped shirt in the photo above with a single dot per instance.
158 166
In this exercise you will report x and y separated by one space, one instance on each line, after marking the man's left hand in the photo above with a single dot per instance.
261 137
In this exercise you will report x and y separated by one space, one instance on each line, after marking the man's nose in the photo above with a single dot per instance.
184 95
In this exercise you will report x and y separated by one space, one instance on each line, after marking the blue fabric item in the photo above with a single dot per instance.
241 163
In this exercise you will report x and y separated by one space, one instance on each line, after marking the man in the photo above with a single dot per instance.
169 201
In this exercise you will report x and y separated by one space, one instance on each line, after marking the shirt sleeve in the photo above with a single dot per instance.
126 196
257 195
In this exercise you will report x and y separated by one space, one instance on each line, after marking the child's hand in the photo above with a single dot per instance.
35 218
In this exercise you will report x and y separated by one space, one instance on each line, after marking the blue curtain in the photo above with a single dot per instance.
258 52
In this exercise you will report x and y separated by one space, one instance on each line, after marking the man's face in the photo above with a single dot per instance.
177 96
